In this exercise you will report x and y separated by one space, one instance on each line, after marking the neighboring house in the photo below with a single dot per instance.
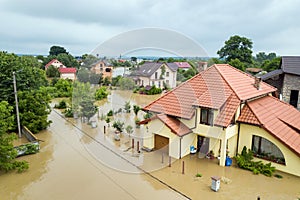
202 66
155 73
56 63
286 80
104 68
183 65
221 110
68 73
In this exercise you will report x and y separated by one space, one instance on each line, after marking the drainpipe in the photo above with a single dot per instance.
180 148
238 138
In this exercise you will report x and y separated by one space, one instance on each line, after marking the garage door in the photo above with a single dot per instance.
161 142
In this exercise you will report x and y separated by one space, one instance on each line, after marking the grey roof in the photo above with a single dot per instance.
149 68
290 64
271 74
173 66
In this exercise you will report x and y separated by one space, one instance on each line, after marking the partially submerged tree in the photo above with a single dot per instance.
8 153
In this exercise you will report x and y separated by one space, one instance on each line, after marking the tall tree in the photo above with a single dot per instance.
237 47
55 50
68 60
8 153
29 79
52 72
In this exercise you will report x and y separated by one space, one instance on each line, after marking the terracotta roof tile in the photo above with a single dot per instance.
174 124
247 116
227 111
67 70
242 83
278 118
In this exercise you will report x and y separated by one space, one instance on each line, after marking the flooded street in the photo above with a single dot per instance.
80 162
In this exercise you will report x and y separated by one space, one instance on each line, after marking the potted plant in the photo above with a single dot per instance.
119 126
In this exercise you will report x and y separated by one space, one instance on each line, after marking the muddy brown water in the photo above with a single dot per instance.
73 165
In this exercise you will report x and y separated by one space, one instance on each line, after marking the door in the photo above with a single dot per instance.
161 142
202 144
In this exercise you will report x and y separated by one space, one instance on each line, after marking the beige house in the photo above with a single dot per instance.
156 73
102 67
221 110
68 73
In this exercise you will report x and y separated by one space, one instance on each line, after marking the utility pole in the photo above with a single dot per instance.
17 105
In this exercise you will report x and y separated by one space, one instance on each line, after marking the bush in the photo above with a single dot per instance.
118 125
101 93
244 161
154 90
61 105
110 113
69 112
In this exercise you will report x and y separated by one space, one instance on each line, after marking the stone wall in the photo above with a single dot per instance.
290 82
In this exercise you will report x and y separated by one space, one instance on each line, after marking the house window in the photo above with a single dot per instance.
207 116
156 75
167 74
167 81
265 149
294 98
153 83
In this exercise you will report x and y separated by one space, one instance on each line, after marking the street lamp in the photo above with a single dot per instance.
17 105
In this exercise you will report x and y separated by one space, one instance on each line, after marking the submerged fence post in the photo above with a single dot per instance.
169 161
132 143
138 146
104 129
182 167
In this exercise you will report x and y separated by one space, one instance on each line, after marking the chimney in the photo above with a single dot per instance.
257 82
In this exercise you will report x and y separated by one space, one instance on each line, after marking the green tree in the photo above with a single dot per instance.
29 79
83 75
127 106
52 72
88 60
7 152
237 47
270 65
115 80
106 81
101 93
237 64
68 60
64 87
95 78
126 84
34 109
136 109
55 50
88 109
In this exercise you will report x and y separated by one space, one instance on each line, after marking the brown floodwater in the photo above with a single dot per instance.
80 162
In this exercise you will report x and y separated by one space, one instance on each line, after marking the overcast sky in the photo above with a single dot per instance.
33 26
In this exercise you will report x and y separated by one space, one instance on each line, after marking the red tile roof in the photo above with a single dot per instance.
210 88
242 83
51 62
176 126
278 118
68 70
183 65
227 111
